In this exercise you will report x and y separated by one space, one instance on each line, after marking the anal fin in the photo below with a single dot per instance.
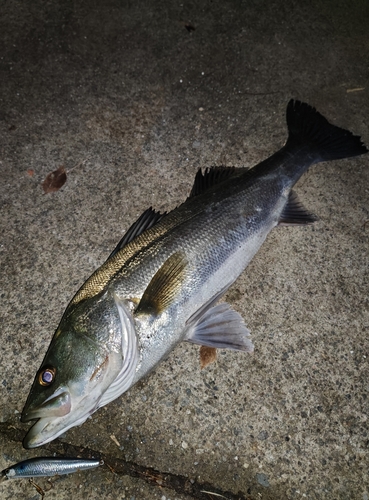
294 212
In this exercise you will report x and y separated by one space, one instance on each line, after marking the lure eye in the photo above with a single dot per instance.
46 376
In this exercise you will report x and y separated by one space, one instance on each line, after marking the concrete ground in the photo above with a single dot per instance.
132 97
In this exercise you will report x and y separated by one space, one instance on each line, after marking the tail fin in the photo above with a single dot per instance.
306 125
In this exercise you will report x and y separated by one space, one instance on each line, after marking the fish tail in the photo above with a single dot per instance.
327 142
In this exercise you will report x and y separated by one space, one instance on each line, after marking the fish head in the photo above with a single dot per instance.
83 360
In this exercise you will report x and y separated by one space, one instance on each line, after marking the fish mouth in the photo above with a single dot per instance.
47 429
54 417
38 435
57 405
50 419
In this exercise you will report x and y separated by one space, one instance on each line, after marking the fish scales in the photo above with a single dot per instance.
236 226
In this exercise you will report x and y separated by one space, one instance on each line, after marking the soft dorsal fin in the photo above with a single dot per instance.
164 286
294 212
210 177
148 219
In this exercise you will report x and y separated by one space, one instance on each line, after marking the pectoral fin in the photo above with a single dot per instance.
164 286
222 328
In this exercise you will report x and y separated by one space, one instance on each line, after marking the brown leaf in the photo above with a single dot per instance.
30 172
54 180
207 355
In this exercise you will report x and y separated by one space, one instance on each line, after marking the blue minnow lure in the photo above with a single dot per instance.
48 466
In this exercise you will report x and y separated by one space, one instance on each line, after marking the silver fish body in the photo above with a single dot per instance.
162 283
48 466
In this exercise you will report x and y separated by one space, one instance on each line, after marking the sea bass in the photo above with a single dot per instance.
162 282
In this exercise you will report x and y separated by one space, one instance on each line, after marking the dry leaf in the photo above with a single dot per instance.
207 355
115 440
55 180
30 172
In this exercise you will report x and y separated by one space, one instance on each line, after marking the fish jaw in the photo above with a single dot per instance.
43 431
80 401
87 374
48 428
57 405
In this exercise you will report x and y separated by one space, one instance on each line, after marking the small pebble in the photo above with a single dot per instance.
263 480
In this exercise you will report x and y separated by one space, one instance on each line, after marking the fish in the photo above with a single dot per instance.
162 283
48 466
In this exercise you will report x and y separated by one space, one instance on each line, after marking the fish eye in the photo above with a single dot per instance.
46 376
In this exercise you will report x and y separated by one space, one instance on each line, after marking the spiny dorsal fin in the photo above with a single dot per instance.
294 212
148 219
211 176
164 286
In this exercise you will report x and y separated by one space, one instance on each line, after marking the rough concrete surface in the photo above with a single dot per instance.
132 97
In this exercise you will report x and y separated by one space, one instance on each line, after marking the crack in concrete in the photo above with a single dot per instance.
175 482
